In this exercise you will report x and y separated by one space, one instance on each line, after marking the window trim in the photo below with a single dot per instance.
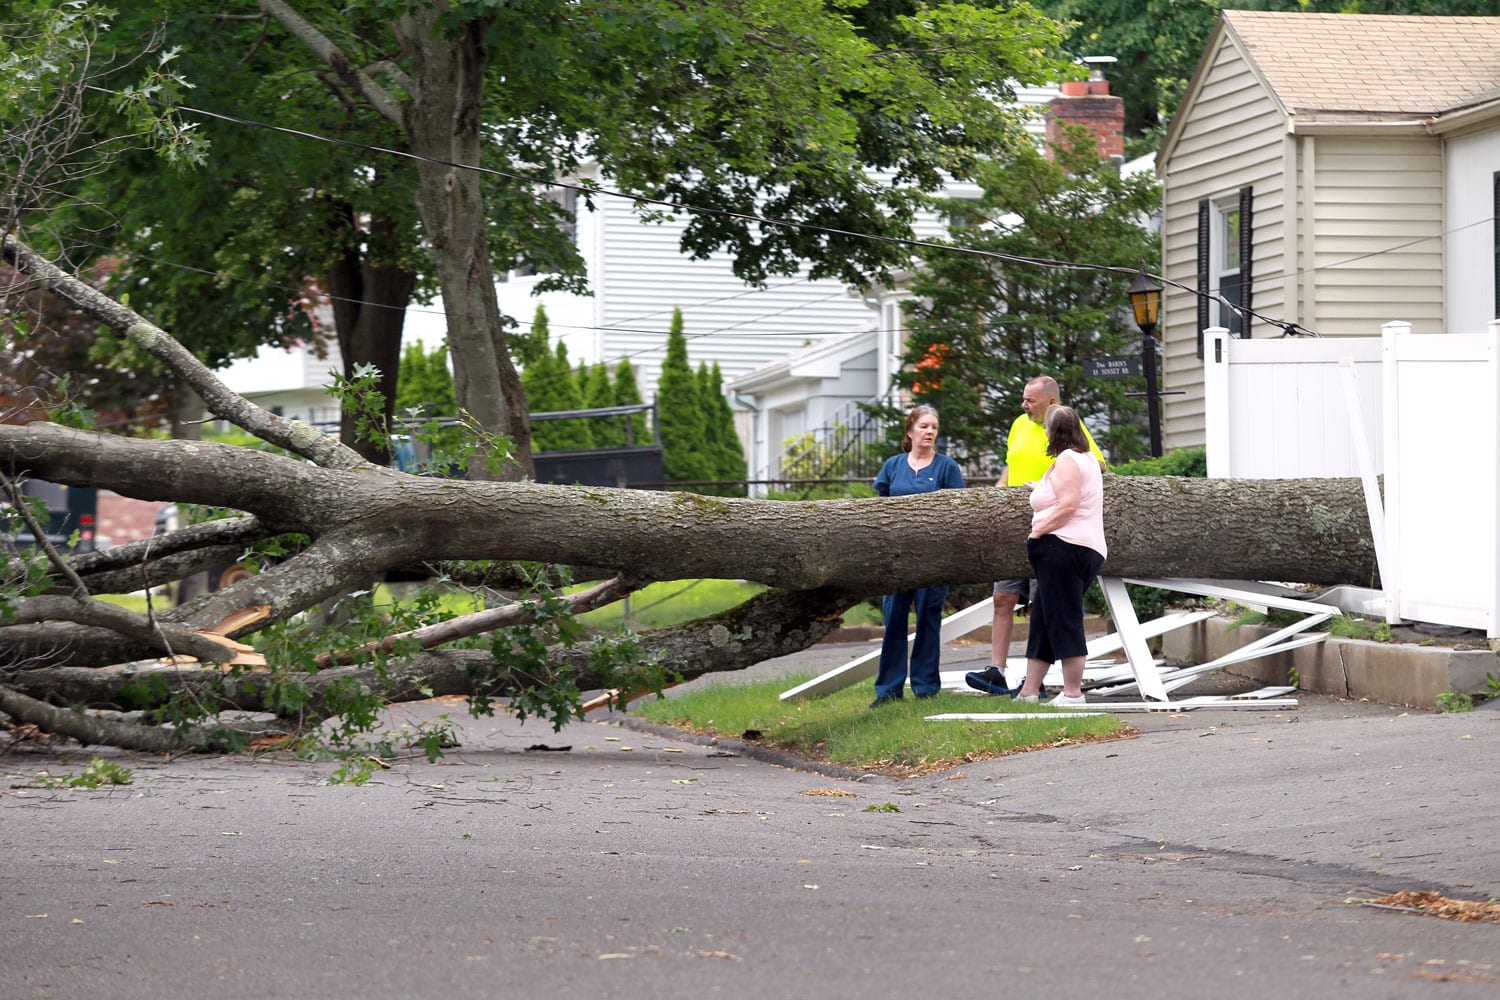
1211 238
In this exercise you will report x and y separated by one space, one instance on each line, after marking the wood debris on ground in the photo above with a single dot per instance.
1435 904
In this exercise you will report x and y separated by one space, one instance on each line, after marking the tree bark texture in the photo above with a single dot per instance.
1310 531
442 124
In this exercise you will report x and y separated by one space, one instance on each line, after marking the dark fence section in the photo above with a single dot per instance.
638 467
633 465
850 447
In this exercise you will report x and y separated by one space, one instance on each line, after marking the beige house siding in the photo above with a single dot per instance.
1376 236
1347 229
1230 138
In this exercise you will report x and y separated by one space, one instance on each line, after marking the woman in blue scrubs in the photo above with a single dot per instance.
918 469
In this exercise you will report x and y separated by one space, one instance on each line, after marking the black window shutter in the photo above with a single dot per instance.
1247 244
1495 239
1204 248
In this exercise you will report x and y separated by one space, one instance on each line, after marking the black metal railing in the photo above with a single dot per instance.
850 447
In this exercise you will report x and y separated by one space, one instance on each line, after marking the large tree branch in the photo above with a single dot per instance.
161 637
294 435
300 28
774 623
145 574
91 730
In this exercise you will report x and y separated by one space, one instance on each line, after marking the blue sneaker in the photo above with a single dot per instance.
991 680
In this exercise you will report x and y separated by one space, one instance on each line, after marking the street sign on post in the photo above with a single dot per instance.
1126 367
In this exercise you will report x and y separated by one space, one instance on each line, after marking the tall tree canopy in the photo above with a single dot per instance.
428 139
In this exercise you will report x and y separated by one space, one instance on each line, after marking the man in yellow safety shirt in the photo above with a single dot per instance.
1026 460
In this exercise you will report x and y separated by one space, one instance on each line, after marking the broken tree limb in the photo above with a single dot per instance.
479 622
771 624
1306 531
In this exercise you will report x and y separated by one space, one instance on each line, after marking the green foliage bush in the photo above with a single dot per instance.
1182 462
680 413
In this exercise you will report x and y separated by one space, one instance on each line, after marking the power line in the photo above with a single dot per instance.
592 189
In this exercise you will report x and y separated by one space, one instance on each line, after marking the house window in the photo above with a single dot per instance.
891 341
567 200
1225 269
1225 242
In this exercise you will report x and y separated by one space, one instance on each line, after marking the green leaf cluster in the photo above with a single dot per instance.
1003 301
98 773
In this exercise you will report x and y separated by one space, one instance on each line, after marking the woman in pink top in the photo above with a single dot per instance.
1066 548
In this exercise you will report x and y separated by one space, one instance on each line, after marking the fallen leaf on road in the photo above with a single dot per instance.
1434 904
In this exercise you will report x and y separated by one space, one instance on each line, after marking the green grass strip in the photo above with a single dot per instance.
842 728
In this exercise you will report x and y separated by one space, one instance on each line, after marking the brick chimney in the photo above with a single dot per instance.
1088 103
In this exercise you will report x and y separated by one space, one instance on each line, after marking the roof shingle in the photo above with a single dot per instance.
1372 63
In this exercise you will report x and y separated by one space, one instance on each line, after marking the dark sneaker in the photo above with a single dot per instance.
927 694
884 699
990 680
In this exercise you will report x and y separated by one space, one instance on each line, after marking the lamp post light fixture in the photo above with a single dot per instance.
1145 301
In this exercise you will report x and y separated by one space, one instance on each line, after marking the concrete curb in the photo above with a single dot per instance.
1392 673
747 748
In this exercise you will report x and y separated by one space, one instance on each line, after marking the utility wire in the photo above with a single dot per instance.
1288 328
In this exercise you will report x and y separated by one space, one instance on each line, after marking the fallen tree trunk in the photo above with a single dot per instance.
366 520
1312 531
346 522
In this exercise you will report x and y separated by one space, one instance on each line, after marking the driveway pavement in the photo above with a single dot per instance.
1218 854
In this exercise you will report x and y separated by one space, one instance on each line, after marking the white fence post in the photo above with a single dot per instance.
1216 409
1390 570
1441 478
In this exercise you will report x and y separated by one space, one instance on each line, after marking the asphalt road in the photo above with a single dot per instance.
1217 854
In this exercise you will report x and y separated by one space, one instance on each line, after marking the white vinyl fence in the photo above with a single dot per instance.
1442 455
1277 409
1421 409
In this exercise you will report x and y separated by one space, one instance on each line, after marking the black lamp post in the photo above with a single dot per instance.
1145 300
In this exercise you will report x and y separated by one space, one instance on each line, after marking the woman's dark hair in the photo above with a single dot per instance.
1065 431
917 413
